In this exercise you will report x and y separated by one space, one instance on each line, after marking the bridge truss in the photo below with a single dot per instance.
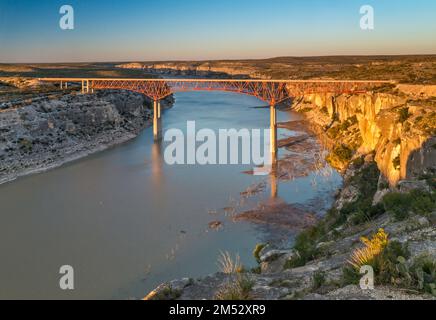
270 91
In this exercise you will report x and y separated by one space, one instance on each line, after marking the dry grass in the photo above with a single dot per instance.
228 265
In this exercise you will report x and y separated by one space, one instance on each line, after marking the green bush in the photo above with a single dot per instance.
256 253
387 266
399 204
362 210
305 245
423 272
350 276
343 153
358 162
318 279
392 267
423 203
365 212
403 114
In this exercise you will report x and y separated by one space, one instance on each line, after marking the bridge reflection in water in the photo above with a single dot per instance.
272 92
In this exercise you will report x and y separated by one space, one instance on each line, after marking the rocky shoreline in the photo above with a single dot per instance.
46 133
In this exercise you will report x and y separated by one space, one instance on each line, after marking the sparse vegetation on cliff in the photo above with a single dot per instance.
417 201
392 265
238 289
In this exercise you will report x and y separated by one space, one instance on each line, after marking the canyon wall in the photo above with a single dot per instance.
401 132
46 132
197 69
398 125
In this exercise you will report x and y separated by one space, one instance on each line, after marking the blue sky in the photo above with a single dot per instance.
116 30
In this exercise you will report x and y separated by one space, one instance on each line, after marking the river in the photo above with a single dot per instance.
126 221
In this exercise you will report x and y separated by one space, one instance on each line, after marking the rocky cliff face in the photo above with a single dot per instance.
46 133
199 69
401 132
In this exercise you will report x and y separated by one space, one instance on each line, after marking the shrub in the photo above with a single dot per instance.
366 212
422 202
358 162
403 114
256 253
318 280
343 153
366 180
305 245
399 204
350 275
236 289
423 272
388 266
167 293
362 210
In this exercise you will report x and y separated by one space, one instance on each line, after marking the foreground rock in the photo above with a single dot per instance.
320 279
48 132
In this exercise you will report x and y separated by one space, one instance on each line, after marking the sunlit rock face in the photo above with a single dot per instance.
403 141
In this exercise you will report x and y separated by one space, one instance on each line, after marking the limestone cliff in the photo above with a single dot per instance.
200 69
46 132
399 130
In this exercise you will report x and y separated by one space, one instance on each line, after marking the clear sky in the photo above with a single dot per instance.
126 30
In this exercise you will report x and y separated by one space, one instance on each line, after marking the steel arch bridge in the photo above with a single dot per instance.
272 92
269 91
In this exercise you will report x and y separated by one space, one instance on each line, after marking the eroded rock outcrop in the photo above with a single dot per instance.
400 131
47 132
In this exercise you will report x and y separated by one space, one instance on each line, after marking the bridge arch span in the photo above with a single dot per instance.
270 91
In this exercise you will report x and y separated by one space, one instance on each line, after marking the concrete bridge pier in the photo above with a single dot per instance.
157 121
274 184
85 86
63 85
273 133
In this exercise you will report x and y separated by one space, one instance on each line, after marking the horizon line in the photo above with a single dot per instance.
225 59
